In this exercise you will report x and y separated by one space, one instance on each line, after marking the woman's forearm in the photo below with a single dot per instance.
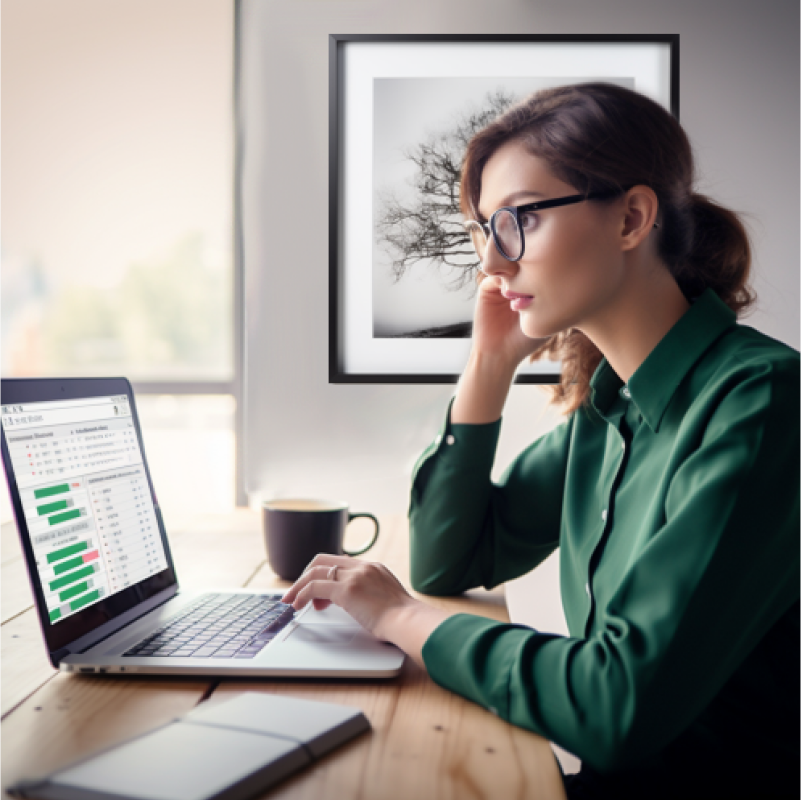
452 487
482 390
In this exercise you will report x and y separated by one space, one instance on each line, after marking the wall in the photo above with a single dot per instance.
739 103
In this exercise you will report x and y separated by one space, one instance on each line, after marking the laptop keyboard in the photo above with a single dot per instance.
218 626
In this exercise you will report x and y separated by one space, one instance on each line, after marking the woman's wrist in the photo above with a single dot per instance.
409 625
482 390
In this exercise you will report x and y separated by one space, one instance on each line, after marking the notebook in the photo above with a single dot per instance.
227 751
99 562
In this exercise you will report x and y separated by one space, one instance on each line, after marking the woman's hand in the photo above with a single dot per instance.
496 327
499 345
372 595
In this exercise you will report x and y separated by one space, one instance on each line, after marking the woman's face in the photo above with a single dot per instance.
573 267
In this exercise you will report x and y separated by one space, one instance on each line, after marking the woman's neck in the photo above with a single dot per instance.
629 328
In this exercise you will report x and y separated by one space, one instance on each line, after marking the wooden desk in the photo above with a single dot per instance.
426 742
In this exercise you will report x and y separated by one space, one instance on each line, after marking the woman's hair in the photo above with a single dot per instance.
598 136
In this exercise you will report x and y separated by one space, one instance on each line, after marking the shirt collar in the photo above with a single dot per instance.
655 381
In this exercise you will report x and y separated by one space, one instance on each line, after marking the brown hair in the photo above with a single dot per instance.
598 136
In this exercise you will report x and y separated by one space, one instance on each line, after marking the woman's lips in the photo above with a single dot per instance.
519 301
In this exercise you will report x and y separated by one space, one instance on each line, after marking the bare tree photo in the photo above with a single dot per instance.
429 226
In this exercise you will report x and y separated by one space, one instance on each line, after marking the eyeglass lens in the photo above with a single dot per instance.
507 234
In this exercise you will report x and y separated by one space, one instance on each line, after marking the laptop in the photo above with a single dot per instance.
99 562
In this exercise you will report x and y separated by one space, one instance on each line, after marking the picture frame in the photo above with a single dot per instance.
393 101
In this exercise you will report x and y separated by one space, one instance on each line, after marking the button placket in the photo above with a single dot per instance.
615 462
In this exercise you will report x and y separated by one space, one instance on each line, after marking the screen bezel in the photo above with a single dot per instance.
59 635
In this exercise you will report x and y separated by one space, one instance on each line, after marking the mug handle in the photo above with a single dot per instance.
351 517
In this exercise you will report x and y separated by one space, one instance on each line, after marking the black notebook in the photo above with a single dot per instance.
226 751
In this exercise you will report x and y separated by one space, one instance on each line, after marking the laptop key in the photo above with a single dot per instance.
203 652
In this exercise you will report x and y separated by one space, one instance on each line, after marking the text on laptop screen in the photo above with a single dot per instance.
85 497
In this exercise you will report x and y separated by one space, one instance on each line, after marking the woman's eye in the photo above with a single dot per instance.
528 220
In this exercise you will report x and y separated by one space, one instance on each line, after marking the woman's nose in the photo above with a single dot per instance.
493 263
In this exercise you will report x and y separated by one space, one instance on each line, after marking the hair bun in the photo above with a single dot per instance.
719 256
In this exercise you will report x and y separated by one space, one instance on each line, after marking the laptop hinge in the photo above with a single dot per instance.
114 625
56 656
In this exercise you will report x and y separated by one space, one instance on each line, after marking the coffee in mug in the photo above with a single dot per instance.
295 531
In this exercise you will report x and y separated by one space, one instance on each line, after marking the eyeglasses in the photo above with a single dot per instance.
508 225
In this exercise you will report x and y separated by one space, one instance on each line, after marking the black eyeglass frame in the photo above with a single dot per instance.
516 211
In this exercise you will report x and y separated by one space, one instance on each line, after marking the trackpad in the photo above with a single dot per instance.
323 634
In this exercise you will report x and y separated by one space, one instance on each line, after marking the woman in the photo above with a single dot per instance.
671 488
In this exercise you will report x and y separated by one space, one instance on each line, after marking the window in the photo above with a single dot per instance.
117 213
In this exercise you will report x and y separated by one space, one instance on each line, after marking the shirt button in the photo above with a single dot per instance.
450 439
626 393
603 515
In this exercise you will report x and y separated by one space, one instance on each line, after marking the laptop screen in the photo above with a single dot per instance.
90 526
85 497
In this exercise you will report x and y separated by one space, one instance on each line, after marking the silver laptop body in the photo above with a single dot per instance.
100 567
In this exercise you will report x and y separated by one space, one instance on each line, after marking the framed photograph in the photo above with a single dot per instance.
402 108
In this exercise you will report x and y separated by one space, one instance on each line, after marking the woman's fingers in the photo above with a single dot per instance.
319 569
311 573
317 589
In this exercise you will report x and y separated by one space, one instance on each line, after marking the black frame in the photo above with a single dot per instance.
336 373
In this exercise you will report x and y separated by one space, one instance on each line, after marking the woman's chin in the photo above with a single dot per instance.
536 329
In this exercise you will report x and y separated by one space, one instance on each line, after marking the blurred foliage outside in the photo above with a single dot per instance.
169 319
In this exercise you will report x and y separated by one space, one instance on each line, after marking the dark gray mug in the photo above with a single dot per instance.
295 531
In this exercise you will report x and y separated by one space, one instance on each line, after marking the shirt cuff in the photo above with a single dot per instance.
462 447
460 656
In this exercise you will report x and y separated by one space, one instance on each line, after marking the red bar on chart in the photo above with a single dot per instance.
90 556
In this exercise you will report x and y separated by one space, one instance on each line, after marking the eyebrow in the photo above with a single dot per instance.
510 198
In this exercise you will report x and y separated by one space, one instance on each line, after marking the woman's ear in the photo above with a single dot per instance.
640 208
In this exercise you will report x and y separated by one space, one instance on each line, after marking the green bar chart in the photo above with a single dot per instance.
79 588
78 602
73 563
57 555
66 580
67 515
49 491
49 508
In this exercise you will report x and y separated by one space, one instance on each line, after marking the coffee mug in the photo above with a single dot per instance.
295 531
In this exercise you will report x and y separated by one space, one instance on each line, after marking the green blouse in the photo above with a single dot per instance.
675 502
